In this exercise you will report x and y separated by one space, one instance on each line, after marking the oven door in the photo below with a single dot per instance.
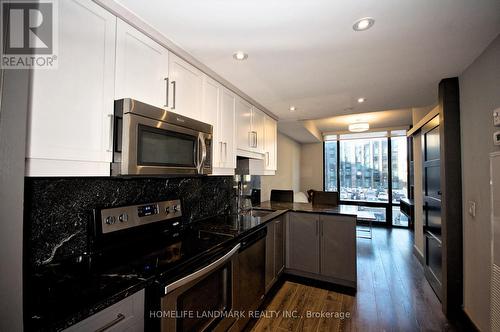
198 301
156 147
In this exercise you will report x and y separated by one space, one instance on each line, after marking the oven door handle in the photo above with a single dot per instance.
202 272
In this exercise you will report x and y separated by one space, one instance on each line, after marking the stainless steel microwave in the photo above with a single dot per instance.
148 140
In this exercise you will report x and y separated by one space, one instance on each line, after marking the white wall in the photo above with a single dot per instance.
288 173
311 167
479 96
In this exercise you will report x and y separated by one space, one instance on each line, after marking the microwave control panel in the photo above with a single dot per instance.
120 218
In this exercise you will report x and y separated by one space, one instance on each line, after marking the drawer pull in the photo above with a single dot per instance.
109 325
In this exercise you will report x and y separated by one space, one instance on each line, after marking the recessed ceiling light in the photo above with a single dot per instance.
361 100
363 24
359 127
292 108
240 55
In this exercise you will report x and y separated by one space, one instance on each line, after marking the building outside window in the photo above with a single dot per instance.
358 164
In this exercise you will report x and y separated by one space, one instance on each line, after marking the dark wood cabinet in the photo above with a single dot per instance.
322 247
304 242
275 251
338 247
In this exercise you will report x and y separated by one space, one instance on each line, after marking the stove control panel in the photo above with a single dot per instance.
116 219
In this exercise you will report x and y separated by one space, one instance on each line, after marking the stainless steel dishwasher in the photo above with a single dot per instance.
251 276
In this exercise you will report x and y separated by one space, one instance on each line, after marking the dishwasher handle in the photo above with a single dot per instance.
203 271
253 238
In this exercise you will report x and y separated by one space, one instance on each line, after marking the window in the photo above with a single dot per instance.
331 166
399 168
369 170
364 170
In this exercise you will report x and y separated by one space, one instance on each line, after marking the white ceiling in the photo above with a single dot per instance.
305 53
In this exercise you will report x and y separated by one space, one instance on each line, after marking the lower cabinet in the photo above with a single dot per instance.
338 247
126 315
322 247
275 250
303 243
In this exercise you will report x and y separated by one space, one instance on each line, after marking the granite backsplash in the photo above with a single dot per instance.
58 211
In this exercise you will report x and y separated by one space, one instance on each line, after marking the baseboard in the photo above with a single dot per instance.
328 285
418 254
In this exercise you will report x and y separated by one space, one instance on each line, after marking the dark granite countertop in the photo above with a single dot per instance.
65 293
342 209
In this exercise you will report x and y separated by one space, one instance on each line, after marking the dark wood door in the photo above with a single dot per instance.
432 203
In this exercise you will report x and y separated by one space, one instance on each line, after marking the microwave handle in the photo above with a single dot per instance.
203 147
202 272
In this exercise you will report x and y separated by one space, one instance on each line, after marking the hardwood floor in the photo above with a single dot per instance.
393 294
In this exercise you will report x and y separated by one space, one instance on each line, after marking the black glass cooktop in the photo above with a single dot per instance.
233 225
59 290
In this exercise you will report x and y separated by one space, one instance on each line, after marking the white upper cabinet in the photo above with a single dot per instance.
270 143
186 88
258 129
245 138
218 110
141 67
71 107
227 128
250 129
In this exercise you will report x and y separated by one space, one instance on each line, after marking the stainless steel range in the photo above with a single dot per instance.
194 270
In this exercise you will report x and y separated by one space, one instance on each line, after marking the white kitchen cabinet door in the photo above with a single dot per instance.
71 107
186 88
244 137
210 114
258 129
218 110
270 146
227 128
141 67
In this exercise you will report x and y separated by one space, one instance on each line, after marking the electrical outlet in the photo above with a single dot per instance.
472 208
496 117
496 138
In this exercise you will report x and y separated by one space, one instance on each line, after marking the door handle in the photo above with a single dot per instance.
111 134
174 85
166 91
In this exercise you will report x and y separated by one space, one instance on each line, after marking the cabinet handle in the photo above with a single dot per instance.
225 151
111 125
250 139
109 325
255 139
268 162
174 84
220 156
166 91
